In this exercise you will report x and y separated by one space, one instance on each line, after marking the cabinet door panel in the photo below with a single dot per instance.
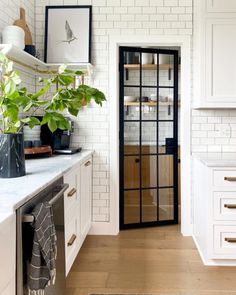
221 6
220 61
70 195
86 196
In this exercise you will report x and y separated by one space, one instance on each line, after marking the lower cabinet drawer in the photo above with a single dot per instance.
225 241
71 194
224 178
224 204
72 238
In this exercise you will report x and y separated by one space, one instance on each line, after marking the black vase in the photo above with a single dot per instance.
12 158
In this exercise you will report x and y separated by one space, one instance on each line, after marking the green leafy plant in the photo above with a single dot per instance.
15 100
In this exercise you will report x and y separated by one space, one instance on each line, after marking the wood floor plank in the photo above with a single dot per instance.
146 261
86 279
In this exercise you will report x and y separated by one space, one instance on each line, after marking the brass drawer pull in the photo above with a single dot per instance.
230 240
71 192
71 241
228 178
87 163
230 206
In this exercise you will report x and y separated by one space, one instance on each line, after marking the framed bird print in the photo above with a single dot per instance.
68 34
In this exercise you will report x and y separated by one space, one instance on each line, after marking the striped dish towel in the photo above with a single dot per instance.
42 267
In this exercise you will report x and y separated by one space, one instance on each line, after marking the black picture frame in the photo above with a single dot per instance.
66 48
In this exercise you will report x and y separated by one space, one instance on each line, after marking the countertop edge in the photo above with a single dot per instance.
9 210
28 197
216 160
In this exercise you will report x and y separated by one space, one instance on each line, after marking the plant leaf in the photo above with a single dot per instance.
52 125
33 121
10 87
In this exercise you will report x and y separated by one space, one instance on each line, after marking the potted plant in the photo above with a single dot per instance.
19 107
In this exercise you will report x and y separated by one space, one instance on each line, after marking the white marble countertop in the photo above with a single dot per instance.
216 159
39 173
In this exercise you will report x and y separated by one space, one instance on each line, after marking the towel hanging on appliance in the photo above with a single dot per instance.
42 267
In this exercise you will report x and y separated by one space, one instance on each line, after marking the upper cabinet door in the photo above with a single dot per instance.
219 6
214 58
220 43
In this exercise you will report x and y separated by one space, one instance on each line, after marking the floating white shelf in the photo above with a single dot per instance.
25 59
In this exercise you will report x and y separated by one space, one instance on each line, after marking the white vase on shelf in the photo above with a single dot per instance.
14 35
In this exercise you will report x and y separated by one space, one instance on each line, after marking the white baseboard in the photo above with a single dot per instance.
213 262
103 228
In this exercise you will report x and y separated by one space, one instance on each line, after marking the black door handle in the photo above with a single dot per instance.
171 145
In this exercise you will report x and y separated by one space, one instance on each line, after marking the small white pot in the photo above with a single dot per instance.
14 35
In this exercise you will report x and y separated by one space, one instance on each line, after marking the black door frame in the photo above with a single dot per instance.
140 50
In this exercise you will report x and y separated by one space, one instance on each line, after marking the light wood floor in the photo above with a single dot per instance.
154 260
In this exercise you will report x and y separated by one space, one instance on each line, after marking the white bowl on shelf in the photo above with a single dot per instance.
129 98
153 97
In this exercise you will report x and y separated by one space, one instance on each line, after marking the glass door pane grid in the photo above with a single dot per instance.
149 121
121 131
140 142
140 137
145 154
146 86
175 163
157 136
147 188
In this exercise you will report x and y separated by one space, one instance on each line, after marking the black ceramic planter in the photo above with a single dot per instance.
12 158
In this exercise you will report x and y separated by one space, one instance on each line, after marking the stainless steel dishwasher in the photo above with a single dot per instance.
54 194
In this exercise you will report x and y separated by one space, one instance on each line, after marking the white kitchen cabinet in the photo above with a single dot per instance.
85 196
214 218
77 208
219 6
8 255
214 54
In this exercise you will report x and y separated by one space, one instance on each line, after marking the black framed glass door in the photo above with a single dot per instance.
148 137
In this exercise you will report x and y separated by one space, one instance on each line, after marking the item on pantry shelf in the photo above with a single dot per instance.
163 98
143 99
13 35
129 98
147 58
164 59
22 24
129 57
153 97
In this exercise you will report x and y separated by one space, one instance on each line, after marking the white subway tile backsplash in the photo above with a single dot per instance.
197 133
214 149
